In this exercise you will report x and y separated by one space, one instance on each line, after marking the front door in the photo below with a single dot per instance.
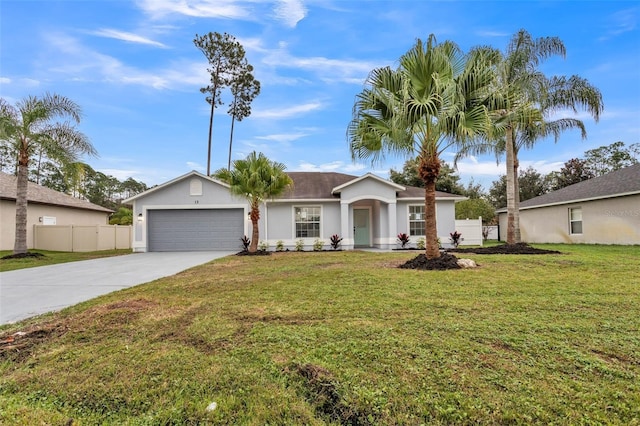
361 227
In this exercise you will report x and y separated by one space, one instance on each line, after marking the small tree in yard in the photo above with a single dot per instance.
257 179
29 128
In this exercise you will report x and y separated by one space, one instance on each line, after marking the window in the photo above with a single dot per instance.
307 222
575 220
416 220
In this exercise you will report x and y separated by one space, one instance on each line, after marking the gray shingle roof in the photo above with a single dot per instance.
42 195
319 185
624 181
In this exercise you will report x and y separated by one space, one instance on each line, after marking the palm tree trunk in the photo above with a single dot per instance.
255 232
511 188
20 245
429 170
432 248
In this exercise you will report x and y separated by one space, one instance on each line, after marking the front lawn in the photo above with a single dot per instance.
53 257
342 338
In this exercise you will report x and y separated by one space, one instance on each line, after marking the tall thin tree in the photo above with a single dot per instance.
244 88
225 56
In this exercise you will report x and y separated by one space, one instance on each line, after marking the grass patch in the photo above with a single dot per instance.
53 257
342 338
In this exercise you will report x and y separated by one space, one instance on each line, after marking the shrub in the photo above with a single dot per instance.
456 238
280 245
318 244
421 243
300 245
263 246
335 241
403 239
245 243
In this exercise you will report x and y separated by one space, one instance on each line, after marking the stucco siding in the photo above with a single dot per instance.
445 218
365 188
280 224
63 215
606 221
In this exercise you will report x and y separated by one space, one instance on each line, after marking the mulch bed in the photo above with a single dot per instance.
22 255
444 262
518 248
255 253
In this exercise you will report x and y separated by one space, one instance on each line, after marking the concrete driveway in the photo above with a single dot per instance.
34 291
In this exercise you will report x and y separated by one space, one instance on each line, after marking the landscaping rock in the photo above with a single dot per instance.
467 263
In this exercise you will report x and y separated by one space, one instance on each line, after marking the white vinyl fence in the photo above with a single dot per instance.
471 230
81 238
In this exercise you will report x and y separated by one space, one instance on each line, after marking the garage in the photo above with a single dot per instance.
195 229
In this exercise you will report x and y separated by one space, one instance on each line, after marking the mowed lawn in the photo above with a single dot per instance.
342 338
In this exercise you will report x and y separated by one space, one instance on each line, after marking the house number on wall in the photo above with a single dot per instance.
196 201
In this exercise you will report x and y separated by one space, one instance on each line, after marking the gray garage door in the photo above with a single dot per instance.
195 230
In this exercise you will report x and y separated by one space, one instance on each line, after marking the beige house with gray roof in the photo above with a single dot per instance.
602 210
44 207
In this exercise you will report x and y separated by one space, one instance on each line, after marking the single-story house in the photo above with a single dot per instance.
602 210
44 207
197 212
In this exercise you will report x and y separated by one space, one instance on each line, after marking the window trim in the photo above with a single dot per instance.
295 222
572 221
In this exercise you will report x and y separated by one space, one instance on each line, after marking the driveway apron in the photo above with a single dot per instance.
34 291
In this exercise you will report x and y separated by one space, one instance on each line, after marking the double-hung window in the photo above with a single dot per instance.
307 221
575 220
416 220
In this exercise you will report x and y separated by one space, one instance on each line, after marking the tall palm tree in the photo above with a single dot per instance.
435 99
31 127
257 179
523 105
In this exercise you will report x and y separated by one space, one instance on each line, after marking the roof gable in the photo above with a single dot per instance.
43 195
369 175
615 184
173 181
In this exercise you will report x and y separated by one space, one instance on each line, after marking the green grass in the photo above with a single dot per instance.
53 257
343 338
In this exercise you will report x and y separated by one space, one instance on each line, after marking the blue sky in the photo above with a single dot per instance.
133 68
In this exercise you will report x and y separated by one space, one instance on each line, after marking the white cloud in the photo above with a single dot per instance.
294 111
334 166
5 80
195 166
621 22
196 8
290 12
491 33
283 137
84 64
126 36
329 70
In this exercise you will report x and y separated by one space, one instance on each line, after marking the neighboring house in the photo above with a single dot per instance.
602 210
196 212
44 207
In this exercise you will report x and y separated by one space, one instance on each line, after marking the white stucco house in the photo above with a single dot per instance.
196 212
602 210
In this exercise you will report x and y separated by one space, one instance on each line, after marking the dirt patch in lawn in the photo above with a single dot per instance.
444 262
518 248
18 346
26 255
